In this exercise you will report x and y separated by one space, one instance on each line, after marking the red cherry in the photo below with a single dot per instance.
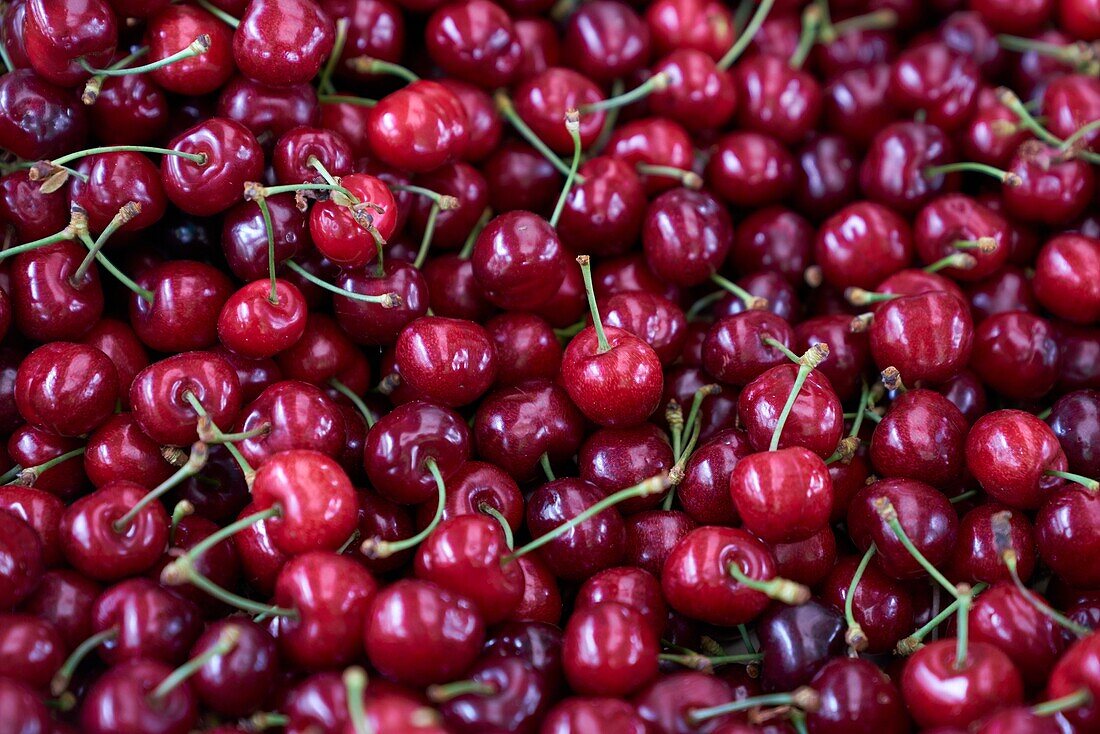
815 421
518 261
474 40
171 30
782 496
608 650
21 553
229 157
1066 278
861 245
448 361
927 337
159 396
262 319
542 101
920 437
418 128
1016 354
59 35
68 389
282 43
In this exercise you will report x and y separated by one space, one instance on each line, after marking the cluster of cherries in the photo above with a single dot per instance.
306 306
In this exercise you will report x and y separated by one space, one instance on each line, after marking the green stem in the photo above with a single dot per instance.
649 487
224 645
218 13
704 303
1056 705
471 239
27 477
269 230
5 57
325 82
778 588
388 300
65 235
771 341
196 158
357 401
860 297
183 509
94 86
877 20
144 293
855 636
687 179
572 124
963 496
442 693
864 398
889 515
125 214
294 188
971 167
346 99
655 83
747 35
218 435
189 574
676 473
962 624
378 548
486 509
61 679
508 110
1009 99
10 474
426 239
1036 601
751 302
811 25
590 291
696 716
548 470
195 462
807 362
609 120
196 48
910 644
961 260
367 65
702 662
746 638
701 394
355 684
1090 484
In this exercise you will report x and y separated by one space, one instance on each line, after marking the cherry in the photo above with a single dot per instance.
281 44
506 692
289 415
856 104
30 649
373 322
475 41
724 576
1018 478
861 245
37 120
1065 278
1003 617
782 496
704 492
927 337
608 650
797 643
227 157
1061 532
938 692
375 29
920 437
903 168
854 697
526 347
604 213
164 396
66 388
808 561
775 98
48 303
58 36
295 148
1069 103
517 259
696 24
244 235
521 179
740 348
1016 354
881 610
239 682
984 138
23 704
1075 420
138 619
484 127
977 555
22 557
31 212
1017 719
826 178
700 95
656 143
128 696
402 444
616 458
606 41
773 239
629 273
814 420
122 346
541 600
1082 19
447 361
538 38
1051 188
42 511
751 169
64 599
452 289
589 546
717 411
1072 674
953 220
542 101
171 30
418 128
254 375
1008 290
849 352
583 714
260 560
937 79
418 633
268 112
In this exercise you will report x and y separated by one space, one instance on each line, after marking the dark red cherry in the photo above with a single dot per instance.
151 622
808 561
64 599
186 300
296 415
170 31
129 110
1004 618
518 260
448 361
782 496
244 237
418 633
474 40
849 353
514 695
797 642
239 682
231 157
861 245
899 168
541 600
542 101
21 553
699 95
374 323
31 212
1051 188
774 98
538 38
927 337
375 29
606 41
938 80
418 128
122 346
950 219
159 396
686 236
255 325
42 511
1074 673
881 606
653 141
735 351
122 698
920 437
617 458
815 421
704 492
773 239
66 388
608 650
48 304
582 714
113 180
1075 420
592 545
1066 275
268 112
619 385
603 214
977 556
751 169
37 120
400 443
826 175
526 348
1008 452
856 104
484 127
521 179
93 542
992 134
282 43
1063 536
696 24
296 146
1016 354
60 36
856 697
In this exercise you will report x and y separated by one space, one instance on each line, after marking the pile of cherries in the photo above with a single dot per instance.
550 366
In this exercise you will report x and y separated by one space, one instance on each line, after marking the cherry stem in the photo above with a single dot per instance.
1009 99
94 86
646 488
325 82
676 473
207 434
813 356
701 394
196 158
368 65
125 214
218 436
912 643
586 272
486 509
60 681
295 188
573 126
770 341
891 380
224 645
747 35
195 463
378 548
357 401
388 300
263 720
144 293
1080 55
1090 484
889 515
218 13
508 110
746 638
1075 139
687 179
753 303
199 46
353 538
704 303
705 663
548 470
5 57
610 119
864 401
674 416
855 637
1006 177
802 696
471 239
78 224
860 297
963 496
961 260
962 624
1074 700
656 83
183 508
986 245
811 29
10 474
777 587
346 99
426 239
875 20
355 685
447 691
269 230
27 477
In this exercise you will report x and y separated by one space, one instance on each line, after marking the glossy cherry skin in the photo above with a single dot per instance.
937 694
1016 354
298 416
122 346
159 405
92 544
927 337
751 169
1075 420
882 606
48 305
782 496
1008 290
64 599
68 389
152 623
1004 618
255 326
514 426
319 506
418 128
861 245
33 214
797 642
807 561
696 579
448 361
268 112
541 45
955 217
323 352
776 99
58 36
856 697
618 387
937 79
520 695
120 701
37 120
244 237
920 437
113 180
375 29
699 96
518 260
976 555
1052 189
453 291
856 105
188 297
1063 534
1021 720
603 215
593 545
608 650
30 649
173 29
541 600
400 442
282 43
418 633
704 492
543 100
465 555
893 172
815 421
734 350
849 353
717 412
474 41
233 157
1066 275
526 347
774 239
370 323
686 236
453 226
1014 476
42 511
475 486
924 513
24 705
1075 671
239 682
617 458
294 148
520 178
333 596
606 41
653 141
21 553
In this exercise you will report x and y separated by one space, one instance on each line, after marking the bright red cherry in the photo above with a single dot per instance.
282 43
608 650
68 389
783 495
